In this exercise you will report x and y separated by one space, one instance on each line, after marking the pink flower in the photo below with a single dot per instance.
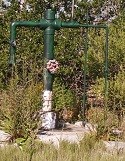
52 66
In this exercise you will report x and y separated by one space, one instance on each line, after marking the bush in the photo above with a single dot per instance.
65 103
105 121
116 91
63 97
19 109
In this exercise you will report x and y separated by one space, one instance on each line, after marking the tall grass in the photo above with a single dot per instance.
19 109
89 149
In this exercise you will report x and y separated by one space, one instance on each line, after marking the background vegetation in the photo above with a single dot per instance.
89 149
20 88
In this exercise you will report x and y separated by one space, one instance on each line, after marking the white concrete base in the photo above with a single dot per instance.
48 120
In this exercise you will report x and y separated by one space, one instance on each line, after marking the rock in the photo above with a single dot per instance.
4 137
67 124
79 123
114 146
117 132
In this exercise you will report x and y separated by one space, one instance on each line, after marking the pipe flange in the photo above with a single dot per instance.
13 43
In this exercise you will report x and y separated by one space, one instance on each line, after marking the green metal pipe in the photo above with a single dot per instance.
85 70
106 66
49 24
42 24
93 26
75 24
48 55
49 48
48 119
70 24
12 44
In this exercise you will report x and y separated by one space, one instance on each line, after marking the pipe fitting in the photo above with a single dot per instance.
13 43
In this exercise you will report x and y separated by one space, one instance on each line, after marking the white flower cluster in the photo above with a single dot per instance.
52 66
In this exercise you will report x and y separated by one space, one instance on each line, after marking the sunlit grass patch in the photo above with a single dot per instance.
88 149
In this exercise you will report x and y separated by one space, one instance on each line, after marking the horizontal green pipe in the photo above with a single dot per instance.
56 24
43 24
70 24
75 24
93 26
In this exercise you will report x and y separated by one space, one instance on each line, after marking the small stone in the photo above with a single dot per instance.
114 146
117 132
79 124
4 137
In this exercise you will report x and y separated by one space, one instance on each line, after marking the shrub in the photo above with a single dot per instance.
19 109
105 121
63 97
65 103
116 92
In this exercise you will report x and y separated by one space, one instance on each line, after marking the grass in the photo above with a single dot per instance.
89 149
19 109
18 105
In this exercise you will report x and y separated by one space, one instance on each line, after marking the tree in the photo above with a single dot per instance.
70 47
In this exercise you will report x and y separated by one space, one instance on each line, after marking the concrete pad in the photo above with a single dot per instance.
72 134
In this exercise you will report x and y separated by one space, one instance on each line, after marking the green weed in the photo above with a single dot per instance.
89 149
19 109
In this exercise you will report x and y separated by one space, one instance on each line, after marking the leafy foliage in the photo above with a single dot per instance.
19 109
63 98
69 51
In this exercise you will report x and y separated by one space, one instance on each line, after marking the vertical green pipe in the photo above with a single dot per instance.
106 68
49 48
12 44
85 69
48 55
48 117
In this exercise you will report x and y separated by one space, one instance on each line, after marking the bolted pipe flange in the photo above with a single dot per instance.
13 43
52 66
